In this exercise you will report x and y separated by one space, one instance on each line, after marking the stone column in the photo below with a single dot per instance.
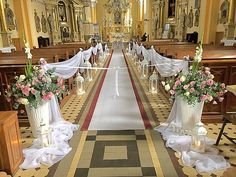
230 27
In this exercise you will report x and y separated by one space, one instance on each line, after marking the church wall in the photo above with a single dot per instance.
40 9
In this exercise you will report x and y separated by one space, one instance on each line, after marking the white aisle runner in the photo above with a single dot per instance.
116 113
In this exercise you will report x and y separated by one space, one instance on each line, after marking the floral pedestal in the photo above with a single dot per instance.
38 117
183 117
188 114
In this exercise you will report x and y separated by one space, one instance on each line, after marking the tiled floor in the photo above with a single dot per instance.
110 153
123 153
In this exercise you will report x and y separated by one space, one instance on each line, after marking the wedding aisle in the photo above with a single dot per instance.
116 112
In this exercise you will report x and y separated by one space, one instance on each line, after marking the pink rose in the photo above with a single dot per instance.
203 97
192 83
172 92
221 99
18 85
220 93
222 85
191 90
177 83
202 86
186 87
45 97
50 95
210 82
25 90
33 91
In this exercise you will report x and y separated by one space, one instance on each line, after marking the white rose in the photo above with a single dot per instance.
24 101
167 87
182 78
163 83
210 98
186 93
211 76
22 77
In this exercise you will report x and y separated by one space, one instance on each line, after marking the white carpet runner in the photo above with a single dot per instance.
116 113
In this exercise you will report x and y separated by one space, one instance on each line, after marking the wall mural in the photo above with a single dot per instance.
9 17
37 21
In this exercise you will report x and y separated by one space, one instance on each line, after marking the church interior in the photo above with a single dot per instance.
103 88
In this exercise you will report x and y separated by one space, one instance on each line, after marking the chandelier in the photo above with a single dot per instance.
117 5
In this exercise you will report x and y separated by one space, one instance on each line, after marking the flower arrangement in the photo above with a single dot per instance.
36 86
197 84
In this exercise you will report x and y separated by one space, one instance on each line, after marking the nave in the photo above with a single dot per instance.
123 151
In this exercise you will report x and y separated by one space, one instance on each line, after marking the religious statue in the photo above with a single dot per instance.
37 21
9 17
79 24
190 18
117 17
44 24
182 19
171 8
224 11
62 11
51 23
197 14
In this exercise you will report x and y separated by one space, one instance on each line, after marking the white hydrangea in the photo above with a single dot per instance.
182 78
186 93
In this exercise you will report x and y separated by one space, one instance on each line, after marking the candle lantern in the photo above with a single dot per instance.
144 68
198 142
153 79
44 135
79 84
89 76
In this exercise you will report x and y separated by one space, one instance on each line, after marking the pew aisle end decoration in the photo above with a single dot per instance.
34 90
183 131
38 90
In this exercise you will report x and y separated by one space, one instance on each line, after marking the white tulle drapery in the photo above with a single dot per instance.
176 129
61 130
